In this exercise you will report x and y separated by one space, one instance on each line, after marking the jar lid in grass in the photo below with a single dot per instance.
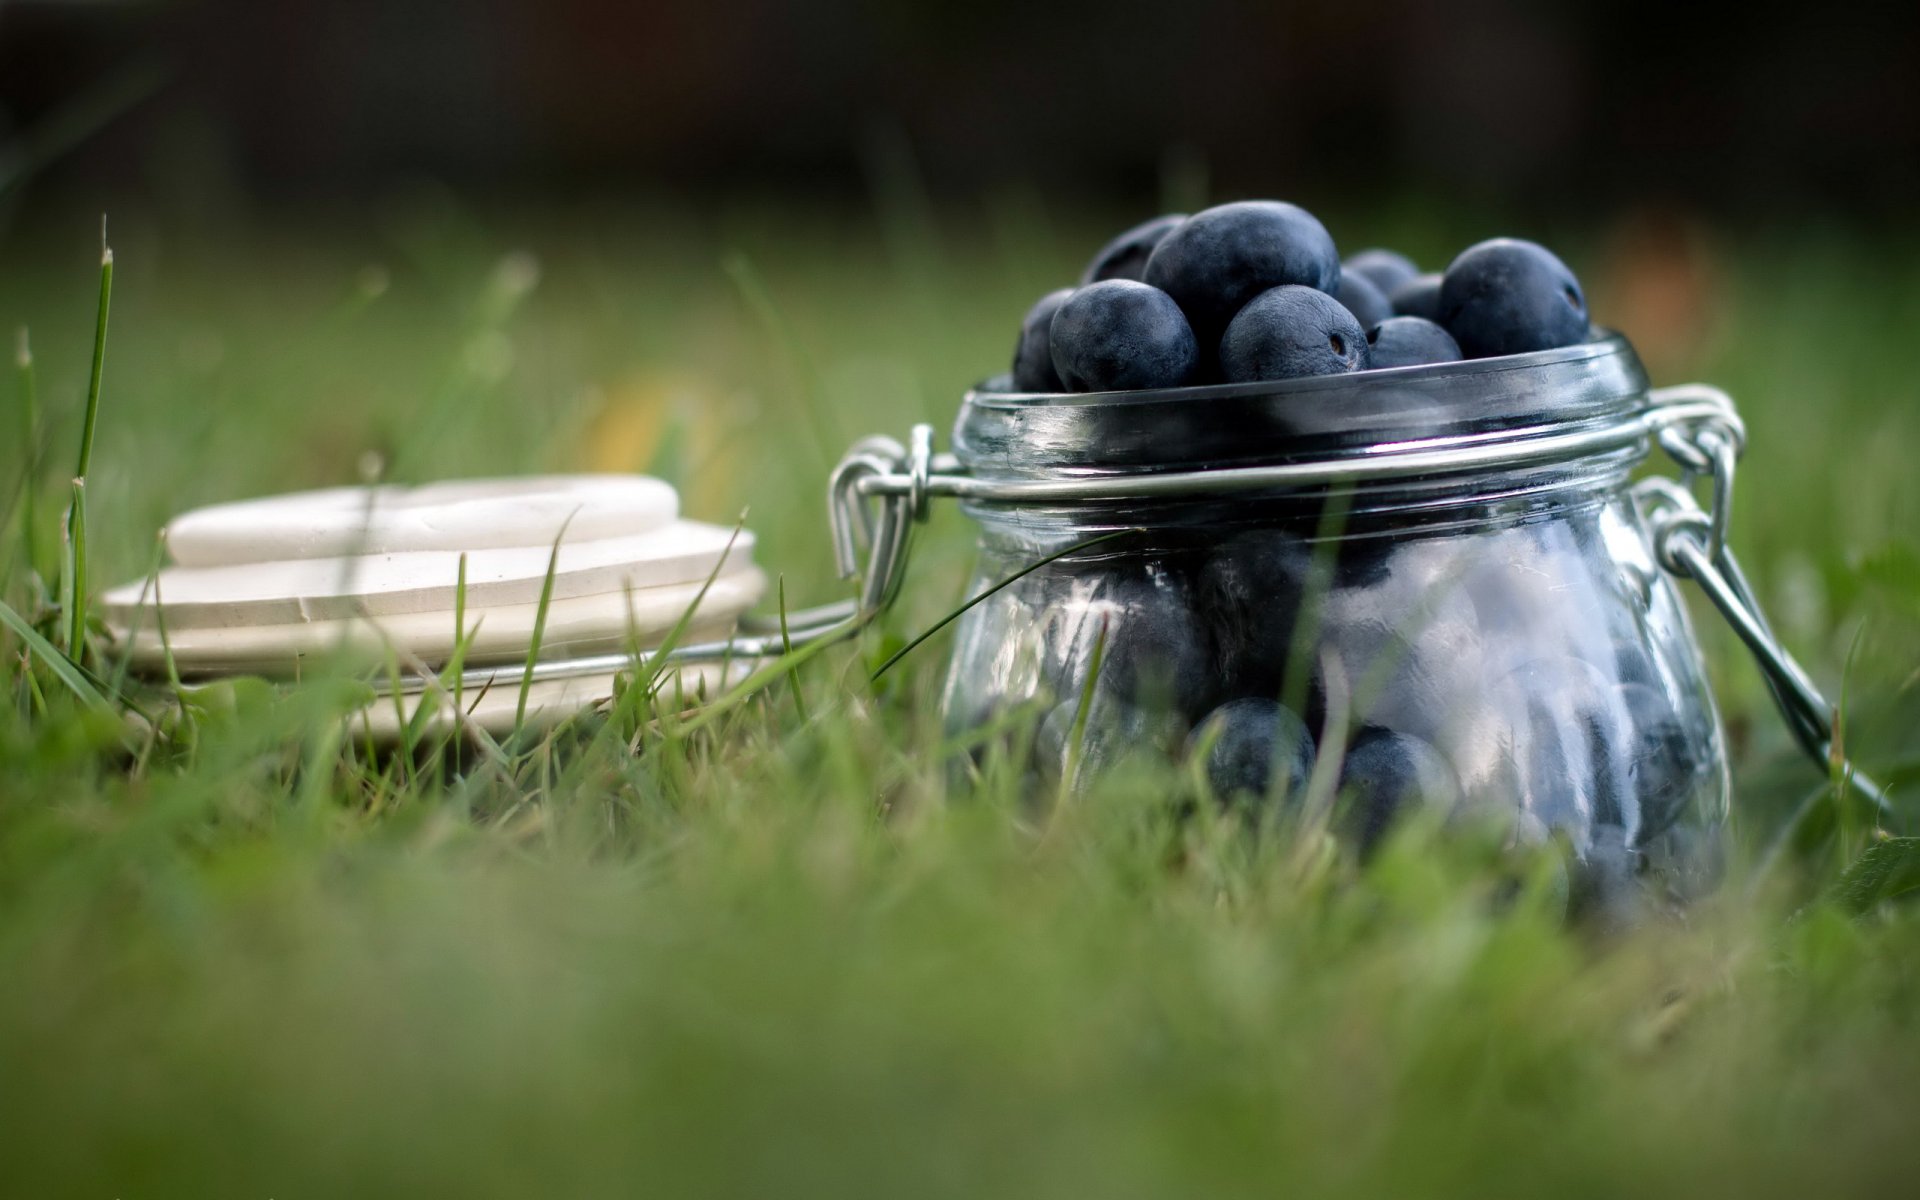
590 565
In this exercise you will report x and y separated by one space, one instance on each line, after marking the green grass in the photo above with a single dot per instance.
767 948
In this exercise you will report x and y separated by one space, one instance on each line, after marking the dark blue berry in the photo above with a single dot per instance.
1125 257
1409 342
1418 297
1121 336
1159 654
1365 301
1664 764
1219 259
1289 333
1255 748
1508 296
1384 269
1387 773
1365 561
1033 354
1252 591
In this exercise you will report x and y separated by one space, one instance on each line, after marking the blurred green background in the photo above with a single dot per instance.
779 953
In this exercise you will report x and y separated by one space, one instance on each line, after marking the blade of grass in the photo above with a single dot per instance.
30 442
36 698
462 718
123 667
459 627
1016 577
657 660
73 614
166 642
648 676
99 354
743 691
1077 737
403 721
540 624
456 661
62 666
786 648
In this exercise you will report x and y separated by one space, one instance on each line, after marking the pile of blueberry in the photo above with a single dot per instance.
1489 673
1256 291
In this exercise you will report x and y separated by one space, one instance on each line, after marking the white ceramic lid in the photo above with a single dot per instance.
476 514
498 634
377 585
266 584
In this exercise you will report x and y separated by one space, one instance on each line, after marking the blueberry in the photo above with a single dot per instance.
1159 652
1365 561
1386 772
1219 259
1121 336
1259 748
1251 593
1418 297
1508 296
1361 298
1632 661
1663 765
1125 257
1291 332
1384 269
1409 342
1033 354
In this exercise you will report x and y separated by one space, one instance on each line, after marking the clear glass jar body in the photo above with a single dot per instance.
1510 617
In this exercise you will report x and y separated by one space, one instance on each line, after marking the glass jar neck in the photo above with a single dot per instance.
1397 507
1473 431
1029 436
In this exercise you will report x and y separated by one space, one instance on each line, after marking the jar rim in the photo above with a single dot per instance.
1012 435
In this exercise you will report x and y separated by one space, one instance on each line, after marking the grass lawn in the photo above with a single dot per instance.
778 954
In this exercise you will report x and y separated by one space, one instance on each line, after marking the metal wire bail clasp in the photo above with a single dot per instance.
1700 430
883 521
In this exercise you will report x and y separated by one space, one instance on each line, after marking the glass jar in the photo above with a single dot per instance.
1456 564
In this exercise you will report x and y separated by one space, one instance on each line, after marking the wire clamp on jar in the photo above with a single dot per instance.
1691 543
